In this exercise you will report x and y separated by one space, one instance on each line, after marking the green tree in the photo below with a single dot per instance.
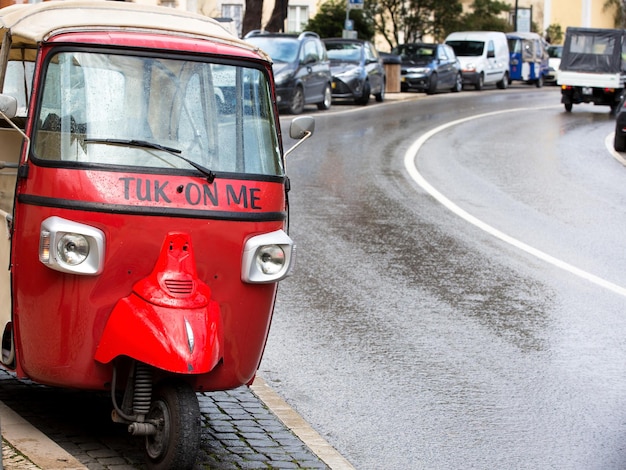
619 11
411 20
554 34
485 16
331 16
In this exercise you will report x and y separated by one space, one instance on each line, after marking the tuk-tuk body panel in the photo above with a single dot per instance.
65 314
59 317
144 196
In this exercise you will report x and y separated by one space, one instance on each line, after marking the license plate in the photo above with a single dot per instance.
587 90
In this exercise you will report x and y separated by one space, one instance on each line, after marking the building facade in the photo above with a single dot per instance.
298 12
586 13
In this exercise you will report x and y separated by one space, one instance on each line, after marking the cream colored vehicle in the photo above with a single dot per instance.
143 200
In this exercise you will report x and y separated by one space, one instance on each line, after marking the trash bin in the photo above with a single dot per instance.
392 64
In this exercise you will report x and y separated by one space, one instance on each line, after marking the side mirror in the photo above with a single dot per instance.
8 106
308 59
301 128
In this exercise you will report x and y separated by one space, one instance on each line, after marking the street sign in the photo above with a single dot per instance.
355 4
524 19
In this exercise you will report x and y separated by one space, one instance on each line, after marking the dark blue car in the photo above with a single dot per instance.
301 68
429 67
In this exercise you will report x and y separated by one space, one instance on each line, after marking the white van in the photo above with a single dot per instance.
484 57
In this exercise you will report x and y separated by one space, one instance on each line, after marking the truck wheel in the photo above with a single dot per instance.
297 101
619 142
176 410
432 84
480 82
458 83
328 98
380 97
504 83
568 107
365 96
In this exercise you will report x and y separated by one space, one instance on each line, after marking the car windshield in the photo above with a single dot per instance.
555 52
131 110
344 52
280 49
414 52
467 48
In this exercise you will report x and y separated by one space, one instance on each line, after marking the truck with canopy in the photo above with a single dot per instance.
592 67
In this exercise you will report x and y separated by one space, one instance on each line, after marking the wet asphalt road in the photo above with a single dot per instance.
412 338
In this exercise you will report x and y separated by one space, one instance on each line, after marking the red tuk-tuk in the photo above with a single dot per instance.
144 200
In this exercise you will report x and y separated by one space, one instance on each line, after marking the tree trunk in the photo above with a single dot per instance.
276 24
252 16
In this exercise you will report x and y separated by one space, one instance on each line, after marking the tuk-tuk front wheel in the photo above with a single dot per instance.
176 412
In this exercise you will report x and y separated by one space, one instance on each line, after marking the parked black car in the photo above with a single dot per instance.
429 67
357 70
301 68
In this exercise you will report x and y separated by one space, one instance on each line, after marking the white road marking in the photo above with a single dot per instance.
409 162
608 142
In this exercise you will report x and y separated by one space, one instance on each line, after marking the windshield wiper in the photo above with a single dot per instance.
210 176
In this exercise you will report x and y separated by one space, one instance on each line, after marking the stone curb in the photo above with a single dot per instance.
27 445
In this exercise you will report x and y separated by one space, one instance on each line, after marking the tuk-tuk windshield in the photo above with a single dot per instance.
145 111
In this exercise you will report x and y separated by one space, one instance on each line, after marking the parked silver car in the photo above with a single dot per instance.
357 70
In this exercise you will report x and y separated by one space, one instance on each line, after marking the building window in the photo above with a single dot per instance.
297 18
235 12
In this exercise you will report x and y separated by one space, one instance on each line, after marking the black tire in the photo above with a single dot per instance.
480 82
175 445
432 84
328 99
380 97
568 107
539 81
458 83
504 83
365 95
619 142
297 101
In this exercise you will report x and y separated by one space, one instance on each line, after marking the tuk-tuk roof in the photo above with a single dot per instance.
523 35
30 24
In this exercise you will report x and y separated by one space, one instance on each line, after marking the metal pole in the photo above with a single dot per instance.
516 15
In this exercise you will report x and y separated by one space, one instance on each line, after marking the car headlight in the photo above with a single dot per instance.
417 70
470 67
71 247
282 77
349 74
267 258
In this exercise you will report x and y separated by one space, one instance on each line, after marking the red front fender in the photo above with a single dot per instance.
183 341
169 320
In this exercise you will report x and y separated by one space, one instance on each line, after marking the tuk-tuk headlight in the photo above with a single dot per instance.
71 247
267 258
270 259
